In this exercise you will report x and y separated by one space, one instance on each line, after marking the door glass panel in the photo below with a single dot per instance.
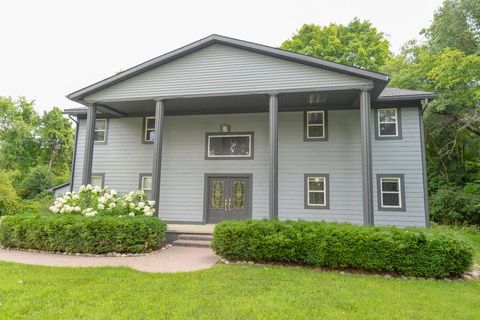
239 198
217 194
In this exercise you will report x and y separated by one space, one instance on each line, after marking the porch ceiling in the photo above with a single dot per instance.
238 104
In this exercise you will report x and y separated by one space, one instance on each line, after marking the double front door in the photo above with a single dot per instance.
229 198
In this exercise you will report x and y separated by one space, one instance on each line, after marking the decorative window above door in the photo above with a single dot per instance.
235 145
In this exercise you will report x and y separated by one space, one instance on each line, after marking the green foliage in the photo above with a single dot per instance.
412 252
456 25
451 204
358 44
76 233
18 144
8 195
38 180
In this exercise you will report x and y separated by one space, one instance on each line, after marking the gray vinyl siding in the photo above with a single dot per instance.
184 165
401 157
220 69
339 157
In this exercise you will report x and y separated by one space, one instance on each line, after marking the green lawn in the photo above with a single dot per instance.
229 292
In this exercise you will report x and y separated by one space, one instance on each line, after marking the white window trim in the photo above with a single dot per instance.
249 155
316 125
387 122
399 192
147 129
324 191
98 176
143 182
102 130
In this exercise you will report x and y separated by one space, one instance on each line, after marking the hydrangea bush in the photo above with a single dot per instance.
93 201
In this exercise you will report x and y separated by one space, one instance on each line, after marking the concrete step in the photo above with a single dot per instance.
201 237
192 243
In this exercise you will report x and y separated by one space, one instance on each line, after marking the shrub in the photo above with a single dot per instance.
38 180
91 201
408 251
456 205
8 195
76 233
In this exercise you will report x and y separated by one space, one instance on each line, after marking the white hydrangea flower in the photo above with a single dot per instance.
131 214
102 200
90 214
113 192
132 206
77 209
151 203
101 206
82 188
112 205
75 197
54 209
149 213
141 204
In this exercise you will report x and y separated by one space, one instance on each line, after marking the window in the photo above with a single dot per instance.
388 124
149 129
229 145
146 183
315 126
391 192
316 191
100 134
97 179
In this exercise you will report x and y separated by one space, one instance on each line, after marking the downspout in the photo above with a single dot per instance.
74 153
424 104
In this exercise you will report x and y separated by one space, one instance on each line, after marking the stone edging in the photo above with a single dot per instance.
473 274
77 254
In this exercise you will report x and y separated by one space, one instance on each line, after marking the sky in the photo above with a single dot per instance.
51 48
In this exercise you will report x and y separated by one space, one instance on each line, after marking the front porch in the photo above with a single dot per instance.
264 111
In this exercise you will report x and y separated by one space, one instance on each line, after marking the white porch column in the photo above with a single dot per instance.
157 153
89 142
367 186
273 163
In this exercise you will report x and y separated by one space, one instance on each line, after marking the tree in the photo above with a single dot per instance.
18 144
456 25
55 135
358 44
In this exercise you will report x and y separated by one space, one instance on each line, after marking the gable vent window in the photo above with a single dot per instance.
237 145
315 125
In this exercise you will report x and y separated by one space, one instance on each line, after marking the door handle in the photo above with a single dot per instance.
230 204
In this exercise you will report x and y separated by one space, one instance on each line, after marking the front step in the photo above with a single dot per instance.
193 240
192 243
200 237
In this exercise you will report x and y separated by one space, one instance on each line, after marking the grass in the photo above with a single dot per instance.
230 292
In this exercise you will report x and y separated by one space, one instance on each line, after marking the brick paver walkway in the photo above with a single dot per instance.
173 259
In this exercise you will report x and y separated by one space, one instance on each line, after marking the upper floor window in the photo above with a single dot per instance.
315 125
100 134
149 129
229 145
390 192
388 125
316 191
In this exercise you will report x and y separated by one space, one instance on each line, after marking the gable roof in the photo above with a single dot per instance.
379 79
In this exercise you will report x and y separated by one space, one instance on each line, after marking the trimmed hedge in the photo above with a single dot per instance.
407 251
79 234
